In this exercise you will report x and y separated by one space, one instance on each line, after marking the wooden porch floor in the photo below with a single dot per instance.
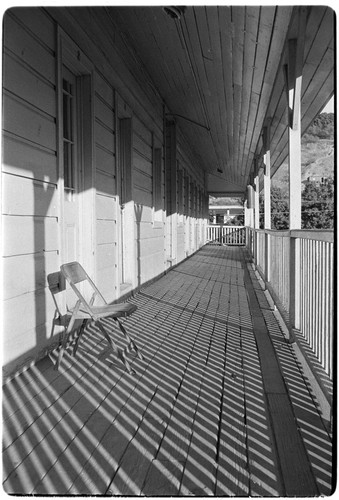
219 406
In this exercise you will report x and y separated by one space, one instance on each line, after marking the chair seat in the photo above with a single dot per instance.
75 275
114 310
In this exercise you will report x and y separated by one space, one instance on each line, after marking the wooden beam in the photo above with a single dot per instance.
267 176
298 69
293 77
294 69
256 202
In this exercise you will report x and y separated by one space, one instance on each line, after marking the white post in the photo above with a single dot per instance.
267 178
256 202
267 200
293 82
248 219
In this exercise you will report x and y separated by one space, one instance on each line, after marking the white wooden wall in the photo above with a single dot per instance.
107 200
31 208
30 177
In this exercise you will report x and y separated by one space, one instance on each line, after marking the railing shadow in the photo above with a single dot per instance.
191 422
310 421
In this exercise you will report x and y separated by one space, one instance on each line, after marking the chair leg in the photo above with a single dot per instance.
132 345
107 337
121 354
64 342
81 331
122 357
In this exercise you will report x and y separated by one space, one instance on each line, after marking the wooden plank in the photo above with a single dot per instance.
106 256
18 114
104 136
142 197
22 314
286 434
29 160
219 99
107 281
106 184
142 164
106 231
28 85
29 235
27 273
238 17
105 160
104 90
28 48
29 197
280 27
227 57
106 208
142 132
36 21
104 112
296 470
141 180
250 48
264 476
142 149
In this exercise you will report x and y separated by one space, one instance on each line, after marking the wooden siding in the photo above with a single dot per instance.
107 203
29 182
32 183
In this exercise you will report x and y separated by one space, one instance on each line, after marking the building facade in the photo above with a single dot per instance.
94 170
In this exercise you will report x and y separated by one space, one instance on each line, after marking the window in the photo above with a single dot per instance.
157 185
69 117
180 197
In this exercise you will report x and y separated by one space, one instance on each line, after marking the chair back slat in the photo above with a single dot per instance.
56 282
82 285
74 272
57 286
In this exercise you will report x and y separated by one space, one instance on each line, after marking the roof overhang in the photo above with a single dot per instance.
219 70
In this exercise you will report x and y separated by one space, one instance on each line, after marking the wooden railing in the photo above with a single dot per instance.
297 268
226 235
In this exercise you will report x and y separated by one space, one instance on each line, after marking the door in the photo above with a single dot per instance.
127 243
72 164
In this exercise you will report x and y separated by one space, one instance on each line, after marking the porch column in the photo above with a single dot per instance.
249 219
267 177
267 199
256 202
171 190
248 214
293 82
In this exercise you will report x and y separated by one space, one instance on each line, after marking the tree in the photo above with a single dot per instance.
317 210
238 220
279 210
318 205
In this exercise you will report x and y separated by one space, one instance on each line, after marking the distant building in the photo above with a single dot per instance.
316 179
223 214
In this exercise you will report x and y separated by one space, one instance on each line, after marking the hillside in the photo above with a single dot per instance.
317 157
317 152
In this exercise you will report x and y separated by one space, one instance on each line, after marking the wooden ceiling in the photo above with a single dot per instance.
219 71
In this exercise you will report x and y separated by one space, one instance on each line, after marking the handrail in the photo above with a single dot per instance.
297 267
311 234
224 234
314 234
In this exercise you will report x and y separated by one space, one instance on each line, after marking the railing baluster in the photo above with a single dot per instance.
228 235
298 268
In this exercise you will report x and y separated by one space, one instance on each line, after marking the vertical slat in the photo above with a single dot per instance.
313 301
330 344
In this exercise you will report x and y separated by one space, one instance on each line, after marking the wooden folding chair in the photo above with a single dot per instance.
62 316
86 309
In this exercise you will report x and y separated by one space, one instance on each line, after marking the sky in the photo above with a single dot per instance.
329 108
